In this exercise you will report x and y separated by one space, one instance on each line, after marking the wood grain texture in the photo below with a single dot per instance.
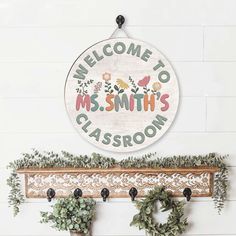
119 170
118 180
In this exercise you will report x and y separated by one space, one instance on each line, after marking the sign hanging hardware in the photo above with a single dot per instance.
120 20
121 93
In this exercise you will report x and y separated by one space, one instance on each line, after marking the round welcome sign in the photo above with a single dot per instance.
121 94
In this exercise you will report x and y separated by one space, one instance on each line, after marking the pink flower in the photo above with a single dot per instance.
143 82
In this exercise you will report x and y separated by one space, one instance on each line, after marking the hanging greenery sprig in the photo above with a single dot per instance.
15 197
37 159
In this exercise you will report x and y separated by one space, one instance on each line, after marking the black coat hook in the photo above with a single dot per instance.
78 193
133 192
120 20
187 193
50 194
105 194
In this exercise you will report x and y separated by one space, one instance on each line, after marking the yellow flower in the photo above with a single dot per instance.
156 86
122 84
106 76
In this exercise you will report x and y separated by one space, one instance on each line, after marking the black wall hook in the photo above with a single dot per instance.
105 194
120 20
78 193
133 192
187 193
50 194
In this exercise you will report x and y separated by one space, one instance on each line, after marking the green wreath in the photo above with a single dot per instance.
175 225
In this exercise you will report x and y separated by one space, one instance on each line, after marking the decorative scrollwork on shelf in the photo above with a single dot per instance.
118 181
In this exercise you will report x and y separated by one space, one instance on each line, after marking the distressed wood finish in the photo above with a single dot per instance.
117 180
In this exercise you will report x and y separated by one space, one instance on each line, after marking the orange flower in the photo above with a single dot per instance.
143 82
106 76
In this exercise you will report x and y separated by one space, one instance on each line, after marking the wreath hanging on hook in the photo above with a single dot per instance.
175 224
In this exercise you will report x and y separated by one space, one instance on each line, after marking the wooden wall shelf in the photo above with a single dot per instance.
118 180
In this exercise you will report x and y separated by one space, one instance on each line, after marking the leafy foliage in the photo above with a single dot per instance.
175 225
15 197
213 160
108 88
51 159
135 87
119 90
146 90
220 188
71 214
37 159
83 86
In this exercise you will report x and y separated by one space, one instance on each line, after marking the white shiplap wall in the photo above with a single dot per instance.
39 40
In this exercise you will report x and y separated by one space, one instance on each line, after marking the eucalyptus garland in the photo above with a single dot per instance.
15 197
38 159
175 224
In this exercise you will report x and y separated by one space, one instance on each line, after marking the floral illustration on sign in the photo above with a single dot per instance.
143 83
83 86
135 88
156 87
107 77
118 87
127 95
97 87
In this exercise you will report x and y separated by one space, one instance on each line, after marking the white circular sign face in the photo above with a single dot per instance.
121 94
